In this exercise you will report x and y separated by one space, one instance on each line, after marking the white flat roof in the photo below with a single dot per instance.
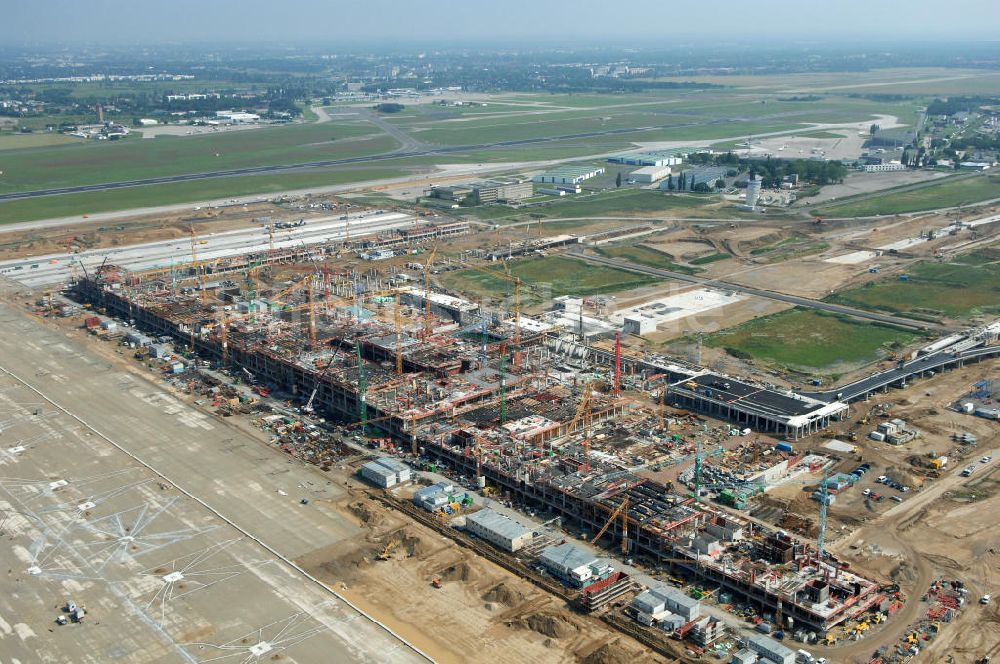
682 305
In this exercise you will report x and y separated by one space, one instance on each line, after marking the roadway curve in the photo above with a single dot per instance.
758 292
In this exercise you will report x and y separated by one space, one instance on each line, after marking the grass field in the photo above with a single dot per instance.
810 341
792 247
644 256
711 258
677 116
938 195
766 249
965 287
616 203
38 140
106 161
68 205
547 277
695 116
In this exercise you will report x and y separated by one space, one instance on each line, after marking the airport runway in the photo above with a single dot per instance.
40 271
399 153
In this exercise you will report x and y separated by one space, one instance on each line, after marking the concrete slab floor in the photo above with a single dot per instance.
167 564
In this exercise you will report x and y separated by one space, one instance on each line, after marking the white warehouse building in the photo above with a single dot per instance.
497 529
237 117
770 650
568 175
661 599
386 472
649 174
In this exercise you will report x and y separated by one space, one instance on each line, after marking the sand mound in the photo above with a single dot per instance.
609 653
346 565
556 627
504 594
904 573
413 545
456 572
366 513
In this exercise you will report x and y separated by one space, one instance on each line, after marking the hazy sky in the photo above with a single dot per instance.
379 22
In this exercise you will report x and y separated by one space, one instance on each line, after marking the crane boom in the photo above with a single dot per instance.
622 510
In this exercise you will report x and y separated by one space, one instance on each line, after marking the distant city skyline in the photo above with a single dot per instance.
379 22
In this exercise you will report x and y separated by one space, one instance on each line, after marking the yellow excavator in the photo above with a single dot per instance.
387 551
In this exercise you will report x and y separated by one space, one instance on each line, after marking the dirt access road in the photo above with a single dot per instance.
892 532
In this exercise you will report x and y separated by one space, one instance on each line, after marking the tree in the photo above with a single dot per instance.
720 184
670 182
871 130
618 179
701 188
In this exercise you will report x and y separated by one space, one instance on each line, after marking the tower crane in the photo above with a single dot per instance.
362 393
583 415
428 324
516 308
294 287
194 262
398 322
503 387
308 408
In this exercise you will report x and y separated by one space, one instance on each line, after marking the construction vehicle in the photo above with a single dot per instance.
386 553
436 582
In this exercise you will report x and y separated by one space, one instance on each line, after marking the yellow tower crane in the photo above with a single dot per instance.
398 320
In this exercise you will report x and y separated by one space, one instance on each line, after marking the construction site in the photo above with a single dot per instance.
342 343
477 398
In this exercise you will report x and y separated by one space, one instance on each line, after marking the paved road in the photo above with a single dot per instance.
758 292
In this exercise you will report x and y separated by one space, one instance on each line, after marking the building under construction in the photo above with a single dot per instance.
489 408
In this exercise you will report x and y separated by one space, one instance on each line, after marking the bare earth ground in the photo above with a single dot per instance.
480 607
939 530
